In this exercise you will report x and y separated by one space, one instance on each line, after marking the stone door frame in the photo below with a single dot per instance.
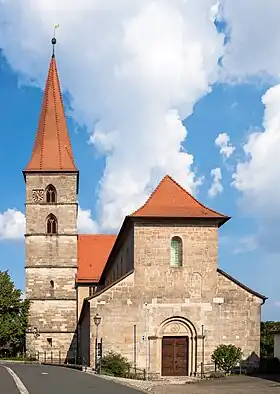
180 327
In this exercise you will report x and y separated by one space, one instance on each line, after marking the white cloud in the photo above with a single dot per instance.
246 244
240 244
134 69
258 176
86 225
254 37
223 142
216 187
12 225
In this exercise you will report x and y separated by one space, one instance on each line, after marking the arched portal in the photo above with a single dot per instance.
178 347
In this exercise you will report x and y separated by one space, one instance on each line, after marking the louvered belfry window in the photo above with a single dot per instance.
176 256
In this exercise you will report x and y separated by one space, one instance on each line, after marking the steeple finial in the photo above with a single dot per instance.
54 39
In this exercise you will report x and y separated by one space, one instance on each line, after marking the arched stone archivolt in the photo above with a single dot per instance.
178 326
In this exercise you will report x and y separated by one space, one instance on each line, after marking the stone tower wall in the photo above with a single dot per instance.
49 258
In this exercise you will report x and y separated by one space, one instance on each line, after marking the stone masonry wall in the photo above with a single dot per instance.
55 251
58 351
152 261
65 184
53 315
83 292
54 257
38 283
178 300
240 317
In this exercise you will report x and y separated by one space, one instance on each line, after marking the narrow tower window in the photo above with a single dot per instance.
52 288
176 252
51 194
51 224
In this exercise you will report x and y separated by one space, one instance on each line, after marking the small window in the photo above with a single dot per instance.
49 340
52 288
176 256
51 194
51 224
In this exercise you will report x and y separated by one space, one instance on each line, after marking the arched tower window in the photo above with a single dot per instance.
51 224
51 194
176 257
52 288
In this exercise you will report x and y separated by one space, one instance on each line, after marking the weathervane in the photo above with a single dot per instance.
54 39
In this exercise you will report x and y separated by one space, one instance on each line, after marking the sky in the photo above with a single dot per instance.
152 87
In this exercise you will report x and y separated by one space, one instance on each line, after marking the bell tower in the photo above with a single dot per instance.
51 179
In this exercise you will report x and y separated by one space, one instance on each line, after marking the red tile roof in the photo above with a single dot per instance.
170 199
93 252
52 148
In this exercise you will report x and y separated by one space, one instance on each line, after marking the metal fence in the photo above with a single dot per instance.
135 373
244 367
51 357
57 357
205 370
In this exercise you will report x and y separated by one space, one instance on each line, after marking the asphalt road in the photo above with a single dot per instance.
37 379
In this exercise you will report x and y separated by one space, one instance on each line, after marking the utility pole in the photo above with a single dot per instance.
146 339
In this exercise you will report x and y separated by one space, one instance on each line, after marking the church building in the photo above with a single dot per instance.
161 298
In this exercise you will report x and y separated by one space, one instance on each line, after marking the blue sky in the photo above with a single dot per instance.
114 98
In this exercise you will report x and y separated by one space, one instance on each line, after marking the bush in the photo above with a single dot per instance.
226 357
115 364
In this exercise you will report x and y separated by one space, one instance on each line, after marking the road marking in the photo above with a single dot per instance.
21 387
44 373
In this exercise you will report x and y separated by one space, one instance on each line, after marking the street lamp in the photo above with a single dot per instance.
97 321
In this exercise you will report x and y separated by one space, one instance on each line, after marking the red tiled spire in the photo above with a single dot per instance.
52 148
169 199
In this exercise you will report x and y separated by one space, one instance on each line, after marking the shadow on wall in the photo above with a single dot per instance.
83 335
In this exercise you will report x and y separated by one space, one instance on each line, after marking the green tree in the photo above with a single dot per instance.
226 357
13 315
267 340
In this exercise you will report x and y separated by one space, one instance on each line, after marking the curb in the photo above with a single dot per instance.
71 366
18 362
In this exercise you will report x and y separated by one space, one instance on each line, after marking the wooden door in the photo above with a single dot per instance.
174 356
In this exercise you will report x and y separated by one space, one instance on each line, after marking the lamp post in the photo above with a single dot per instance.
97 321
35 332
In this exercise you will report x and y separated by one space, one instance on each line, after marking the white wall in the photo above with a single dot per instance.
277 345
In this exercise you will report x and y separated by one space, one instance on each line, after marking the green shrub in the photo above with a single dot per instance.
226 357
115 364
